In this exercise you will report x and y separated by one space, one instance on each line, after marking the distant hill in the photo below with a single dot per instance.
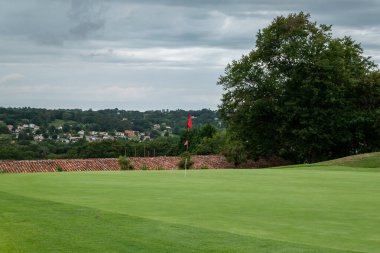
108 119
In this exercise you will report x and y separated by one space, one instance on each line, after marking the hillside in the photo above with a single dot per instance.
31 133
367 160
107 120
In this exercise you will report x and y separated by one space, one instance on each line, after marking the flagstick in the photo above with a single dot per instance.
185 166
187 149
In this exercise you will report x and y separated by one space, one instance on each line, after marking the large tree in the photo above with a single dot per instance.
302 94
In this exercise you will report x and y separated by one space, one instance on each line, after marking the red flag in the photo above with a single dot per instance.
186 143
190 122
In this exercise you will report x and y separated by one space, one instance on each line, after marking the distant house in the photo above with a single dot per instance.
38 137
81 132
131 133
156 126
108 137
75 138
120 134
10 127
92 138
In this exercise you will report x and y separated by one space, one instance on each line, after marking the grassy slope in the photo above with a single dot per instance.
269 210
369 160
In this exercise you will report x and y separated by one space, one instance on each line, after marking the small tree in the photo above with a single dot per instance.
125 163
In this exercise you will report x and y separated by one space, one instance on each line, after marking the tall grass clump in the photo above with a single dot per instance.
185 161
125 163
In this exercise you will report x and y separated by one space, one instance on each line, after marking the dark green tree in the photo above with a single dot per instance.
3 129
302 94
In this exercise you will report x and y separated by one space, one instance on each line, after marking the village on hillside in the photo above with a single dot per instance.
34 132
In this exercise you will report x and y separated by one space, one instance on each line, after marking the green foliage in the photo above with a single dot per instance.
4 129
5 139
105 120
302 94
58 168
185 162
125 163
214 145
144 167
235 152
71 121
200 140
155 134
10 152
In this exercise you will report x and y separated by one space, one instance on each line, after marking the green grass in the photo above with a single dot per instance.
369 160
293 209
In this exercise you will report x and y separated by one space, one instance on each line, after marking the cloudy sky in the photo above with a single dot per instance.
145 54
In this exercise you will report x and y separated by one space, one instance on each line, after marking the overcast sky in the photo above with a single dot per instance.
146 54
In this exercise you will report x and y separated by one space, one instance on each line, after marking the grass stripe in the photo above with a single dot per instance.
31 225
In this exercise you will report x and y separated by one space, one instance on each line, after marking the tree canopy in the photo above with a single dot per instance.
302 94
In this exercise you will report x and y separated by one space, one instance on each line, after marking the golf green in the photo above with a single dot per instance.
302 209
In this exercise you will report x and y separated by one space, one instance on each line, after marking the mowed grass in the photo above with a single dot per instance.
292 209
368 160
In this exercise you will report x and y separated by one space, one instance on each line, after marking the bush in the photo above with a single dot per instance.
235 153
125 163
185 161
144 167
58 168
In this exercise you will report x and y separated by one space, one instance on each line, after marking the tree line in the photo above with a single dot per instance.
204 140
107 120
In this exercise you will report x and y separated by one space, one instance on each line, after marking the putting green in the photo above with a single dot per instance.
302 209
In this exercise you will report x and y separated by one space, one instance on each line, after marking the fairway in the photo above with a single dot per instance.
292 209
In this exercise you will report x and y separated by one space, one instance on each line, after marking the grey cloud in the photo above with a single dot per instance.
88 17
48 38
179 47
6 79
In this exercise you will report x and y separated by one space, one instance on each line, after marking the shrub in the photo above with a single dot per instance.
204 168
125 163
58 168
185 161
235 153
144 167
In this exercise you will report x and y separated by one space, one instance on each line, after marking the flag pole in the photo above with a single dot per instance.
185 166
189 126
